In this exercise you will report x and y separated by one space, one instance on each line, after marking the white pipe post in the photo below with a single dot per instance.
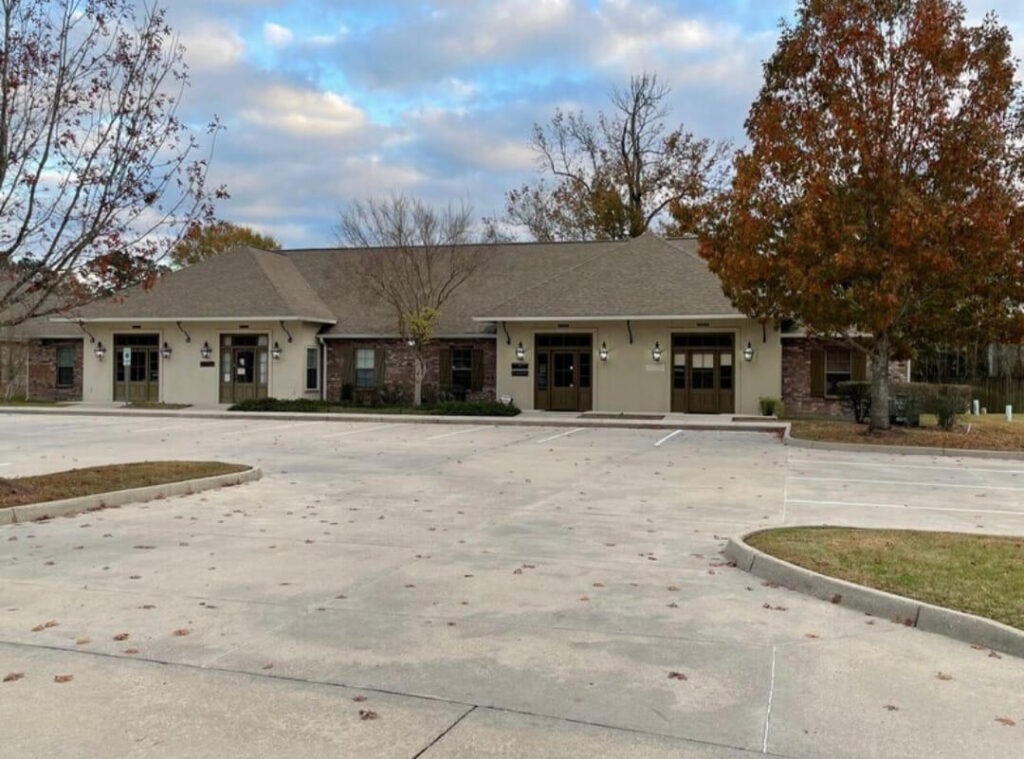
1009 412
977 407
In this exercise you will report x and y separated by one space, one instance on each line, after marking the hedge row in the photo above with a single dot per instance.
908 400
449 408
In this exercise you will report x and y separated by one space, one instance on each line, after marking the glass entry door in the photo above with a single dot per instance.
703 379
244 367
137 368
564 372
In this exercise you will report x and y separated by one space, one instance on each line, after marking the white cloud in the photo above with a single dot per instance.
276 35
305 113
211 46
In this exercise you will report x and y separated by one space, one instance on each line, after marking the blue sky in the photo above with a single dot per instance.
326 101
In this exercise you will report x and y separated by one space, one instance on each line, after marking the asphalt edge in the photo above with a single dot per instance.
918 450
72 506
958 625
778 429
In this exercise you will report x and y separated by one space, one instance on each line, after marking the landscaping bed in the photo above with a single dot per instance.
977 574
991 432
74 483
448 408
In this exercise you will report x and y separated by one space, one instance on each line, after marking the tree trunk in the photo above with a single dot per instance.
418 372
880 356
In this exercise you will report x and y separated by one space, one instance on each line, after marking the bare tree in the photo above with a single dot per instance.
614 177
93 156
420 256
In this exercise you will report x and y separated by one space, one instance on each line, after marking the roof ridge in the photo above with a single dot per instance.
508 244
276 286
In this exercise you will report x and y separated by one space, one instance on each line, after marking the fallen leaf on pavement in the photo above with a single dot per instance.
63 678
677 676
11 677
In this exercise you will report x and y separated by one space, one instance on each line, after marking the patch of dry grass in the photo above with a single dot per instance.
978 574
18 491
991 432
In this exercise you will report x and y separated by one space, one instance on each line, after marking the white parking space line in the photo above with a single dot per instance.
5 463
459 432
905 507
897 465
258 428
911 484
359 431
667 437
562 434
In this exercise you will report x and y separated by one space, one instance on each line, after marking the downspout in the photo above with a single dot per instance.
323 367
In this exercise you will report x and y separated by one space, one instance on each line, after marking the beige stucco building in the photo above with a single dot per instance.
636 326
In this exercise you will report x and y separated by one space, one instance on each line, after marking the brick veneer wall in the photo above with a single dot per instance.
42 371
796 378
399 367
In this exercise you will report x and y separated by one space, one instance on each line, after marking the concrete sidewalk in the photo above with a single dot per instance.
707 422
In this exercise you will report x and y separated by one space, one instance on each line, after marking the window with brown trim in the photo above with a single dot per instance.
65 366
462 368
838 368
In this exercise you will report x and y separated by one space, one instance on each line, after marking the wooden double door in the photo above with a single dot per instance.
137 368
244 367
703 373
564 373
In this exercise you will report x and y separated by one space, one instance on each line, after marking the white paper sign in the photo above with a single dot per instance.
126 356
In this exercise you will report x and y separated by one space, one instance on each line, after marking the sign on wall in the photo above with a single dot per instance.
520 369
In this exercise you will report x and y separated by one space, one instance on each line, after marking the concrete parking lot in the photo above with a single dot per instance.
441 591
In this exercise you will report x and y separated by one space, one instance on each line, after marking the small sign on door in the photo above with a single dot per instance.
126 356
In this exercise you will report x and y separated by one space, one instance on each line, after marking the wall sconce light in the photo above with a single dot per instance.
100 351
166 351
206 351
276 350
603 353
748 352
656 351
411 342
520 352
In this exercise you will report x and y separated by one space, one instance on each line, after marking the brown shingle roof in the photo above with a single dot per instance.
644 277
507 269
243 283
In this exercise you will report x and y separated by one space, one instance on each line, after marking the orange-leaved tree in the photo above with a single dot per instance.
879 201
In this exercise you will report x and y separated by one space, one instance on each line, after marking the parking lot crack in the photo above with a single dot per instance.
444 732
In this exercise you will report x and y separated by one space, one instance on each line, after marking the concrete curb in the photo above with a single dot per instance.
72 506
936 619
773 427
917 450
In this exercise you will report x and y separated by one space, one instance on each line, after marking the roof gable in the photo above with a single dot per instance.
243 282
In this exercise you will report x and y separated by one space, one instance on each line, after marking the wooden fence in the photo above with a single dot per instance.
995 393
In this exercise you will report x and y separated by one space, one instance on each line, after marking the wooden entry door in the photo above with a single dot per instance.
564 374
244 368
139 380
703 374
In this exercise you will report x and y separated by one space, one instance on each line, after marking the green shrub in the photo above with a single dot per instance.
302 405
855 397
907 401
947 402
771 406
475 408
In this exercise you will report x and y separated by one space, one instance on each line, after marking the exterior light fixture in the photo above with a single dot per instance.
276 350
166 351
206 351
603 353
100 351
656 351
411 342
748 352
520 352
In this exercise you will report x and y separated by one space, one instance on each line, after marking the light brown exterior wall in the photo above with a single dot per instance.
399 368
796 378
